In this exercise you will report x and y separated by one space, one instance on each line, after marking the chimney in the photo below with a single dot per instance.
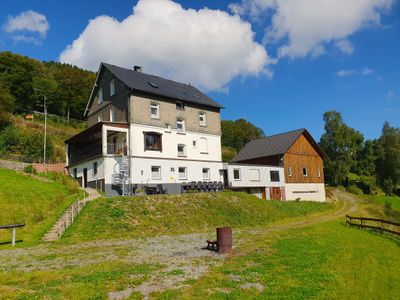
138 69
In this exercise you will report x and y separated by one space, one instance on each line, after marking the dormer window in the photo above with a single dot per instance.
155 110
180 106
100 96
202 119
99 118
112 87
180 125
113 115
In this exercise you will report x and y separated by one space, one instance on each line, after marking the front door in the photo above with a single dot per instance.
85 177
276 193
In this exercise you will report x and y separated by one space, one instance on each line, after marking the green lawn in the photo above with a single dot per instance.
129 217
324 261
36 203
381 199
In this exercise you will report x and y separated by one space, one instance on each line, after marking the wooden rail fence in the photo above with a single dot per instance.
372 223
14 229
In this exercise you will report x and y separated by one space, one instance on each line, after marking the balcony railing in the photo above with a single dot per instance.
117 149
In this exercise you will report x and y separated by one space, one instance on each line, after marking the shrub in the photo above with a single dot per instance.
354 190
367 184
30 169
32 147
390 212
9 139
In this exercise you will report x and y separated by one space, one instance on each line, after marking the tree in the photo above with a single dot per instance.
388 156
366 159
236 134
341 143
6 105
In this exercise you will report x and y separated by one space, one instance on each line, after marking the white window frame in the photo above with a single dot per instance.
100 98
183 154
113 115
289 171
257 171
158 176
185 173
112 87
208 173
181 121
202 119
156 106
319 172
306 173
240 174
206 145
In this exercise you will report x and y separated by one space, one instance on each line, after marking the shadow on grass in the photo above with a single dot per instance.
9 242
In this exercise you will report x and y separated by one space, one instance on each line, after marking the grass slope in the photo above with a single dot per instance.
381 199
324 261
128 217
37 203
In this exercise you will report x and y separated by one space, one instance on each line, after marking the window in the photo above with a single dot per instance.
254 175
95 168
100 96
181 150
194 144
75 173
305 172
180 106
289 171
182 173
203 144
99 118
202 119
155 172
319 172
236 174
112 87
274 176
180 125
155 110
113 115
152 141
206 173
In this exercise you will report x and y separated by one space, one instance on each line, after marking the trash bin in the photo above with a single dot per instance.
224 239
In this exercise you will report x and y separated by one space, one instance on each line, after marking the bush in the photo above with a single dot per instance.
354 190
390 213
9 139
30 169
32 147
367 184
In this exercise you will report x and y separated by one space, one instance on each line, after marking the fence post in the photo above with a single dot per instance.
13 236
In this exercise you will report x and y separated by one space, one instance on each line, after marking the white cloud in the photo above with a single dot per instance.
27 24
351 72
306 27
205 47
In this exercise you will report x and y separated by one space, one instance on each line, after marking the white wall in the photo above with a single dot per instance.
170 141
141 170
89 165
246 180
305 191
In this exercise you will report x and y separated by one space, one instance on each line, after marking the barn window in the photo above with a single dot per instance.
289 171
236 174
305 174
274 176
319 172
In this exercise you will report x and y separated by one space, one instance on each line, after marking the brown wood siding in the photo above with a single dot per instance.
303 155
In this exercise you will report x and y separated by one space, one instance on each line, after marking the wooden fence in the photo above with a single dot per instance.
14 234
371 223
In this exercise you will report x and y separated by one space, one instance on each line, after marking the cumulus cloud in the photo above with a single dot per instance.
351 72
29 26
205 47
306 27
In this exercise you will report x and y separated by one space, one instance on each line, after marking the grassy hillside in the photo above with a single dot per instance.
172 214
324 261
29 200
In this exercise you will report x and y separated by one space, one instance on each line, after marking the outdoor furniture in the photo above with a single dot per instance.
198 186
220 186
193 186
212 245
204 186
14 234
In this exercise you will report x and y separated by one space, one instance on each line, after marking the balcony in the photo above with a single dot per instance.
117 149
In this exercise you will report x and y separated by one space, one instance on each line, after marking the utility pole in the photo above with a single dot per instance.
45 128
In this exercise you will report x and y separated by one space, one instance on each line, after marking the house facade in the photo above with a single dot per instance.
145 131
300 157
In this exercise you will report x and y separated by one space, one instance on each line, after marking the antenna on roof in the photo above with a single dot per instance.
138 69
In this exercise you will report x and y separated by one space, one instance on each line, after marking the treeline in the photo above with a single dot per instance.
359 163
24 82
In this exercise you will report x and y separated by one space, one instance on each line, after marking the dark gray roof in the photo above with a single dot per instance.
159 86
273 145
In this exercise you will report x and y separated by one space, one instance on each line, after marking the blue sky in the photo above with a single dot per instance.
291 82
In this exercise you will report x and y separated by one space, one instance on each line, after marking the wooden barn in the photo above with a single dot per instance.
300 156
